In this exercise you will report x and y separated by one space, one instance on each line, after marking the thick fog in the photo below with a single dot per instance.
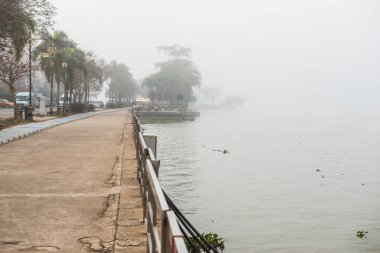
321 52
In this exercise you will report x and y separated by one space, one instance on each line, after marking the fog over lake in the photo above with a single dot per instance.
261 50
303 171
290 182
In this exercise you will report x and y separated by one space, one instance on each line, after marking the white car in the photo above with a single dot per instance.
98 104
61 100
22 99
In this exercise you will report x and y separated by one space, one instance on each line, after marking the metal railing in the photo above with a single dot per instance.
163 232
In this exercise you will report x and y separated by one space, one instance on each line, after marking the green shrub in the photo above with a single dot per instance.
111 105
90 108
119 105
77 107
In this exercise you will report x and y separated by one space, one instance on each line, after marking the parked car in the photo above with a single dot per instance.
61 100
6 103
98 104
22 99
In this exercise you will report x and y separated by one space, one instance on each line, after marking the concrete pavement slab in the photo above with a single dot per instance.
61 190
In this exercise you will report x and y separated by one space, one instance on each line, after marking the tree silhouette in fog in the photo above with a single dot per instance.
175 77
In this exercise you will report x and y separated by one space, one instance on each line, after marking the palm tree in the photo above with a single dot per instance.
76 66
61 49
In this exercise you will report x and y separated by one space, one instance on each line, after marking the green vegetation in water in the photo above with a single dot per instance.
361 234
224 151
213 239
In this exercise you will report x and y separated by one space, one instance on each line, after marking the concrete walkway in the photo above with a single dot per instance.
72 188
18 132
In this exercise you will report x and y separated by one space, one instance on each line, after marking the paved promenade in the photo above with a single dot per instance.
21 131
72 188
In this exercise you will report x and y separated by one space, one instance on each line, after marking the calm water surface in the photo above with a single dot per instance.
266 194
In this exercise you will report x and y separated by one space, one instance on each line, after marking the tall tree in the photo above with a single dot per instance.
60 49
77 71
122 85
95 74
20 18
175 79
176 51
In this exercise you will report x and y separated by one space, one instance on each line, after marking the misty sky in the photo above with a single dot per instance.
319 50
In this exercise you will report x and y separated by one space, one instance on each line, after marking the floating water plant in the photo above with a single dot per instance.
211 238
361 234
224 151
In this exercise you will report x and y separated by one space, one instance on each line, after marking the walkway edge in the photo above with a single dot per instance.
15 133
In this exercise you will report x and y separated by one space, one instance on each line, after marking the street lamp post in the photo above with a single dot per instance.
51 85
30 109
51 65
64 66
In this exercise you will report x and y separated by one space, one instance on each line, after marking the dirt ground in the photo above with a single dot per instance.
72 188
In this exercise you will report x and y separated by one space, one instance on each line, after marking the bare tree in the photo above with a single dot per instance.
11 70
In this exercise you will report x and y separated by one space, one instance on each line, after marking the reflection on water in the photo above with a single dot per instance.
291 183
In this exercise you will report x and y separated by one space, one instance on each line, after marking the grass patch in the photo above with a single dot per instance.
6 123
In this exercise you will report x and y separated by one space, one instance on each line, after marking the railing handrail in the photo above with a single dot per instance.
163 233
157 193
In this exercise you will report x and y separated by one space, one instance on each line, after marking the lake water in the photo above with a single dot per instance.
266 194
